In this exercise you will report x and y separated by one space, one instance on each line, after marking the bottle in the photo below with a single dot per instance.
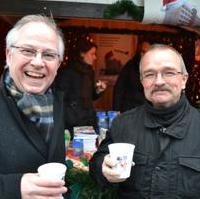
111 116
77 146
102 120
67 138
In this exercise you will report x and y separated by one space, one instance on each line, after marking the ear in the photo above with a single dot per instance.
184 81
8 56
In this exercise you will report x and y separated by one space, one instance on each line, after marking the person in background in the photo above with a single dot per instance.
31 131
127 91
165 132
77 81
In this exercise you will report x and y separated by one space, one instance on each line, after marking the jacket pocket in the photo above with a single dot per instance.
189 177
138 171
139 158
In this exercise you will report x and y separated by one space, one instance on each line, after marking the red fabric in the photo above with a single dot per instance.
168 1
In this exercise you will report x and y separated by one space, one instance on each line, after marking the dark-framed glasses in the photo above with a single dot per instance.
166 75
32 53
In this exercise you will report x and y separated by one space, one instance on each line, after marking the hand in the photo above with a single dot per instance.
100 86
35 187
108 172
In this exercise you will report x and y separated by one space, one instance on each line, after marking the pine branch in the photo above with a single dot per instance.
124 6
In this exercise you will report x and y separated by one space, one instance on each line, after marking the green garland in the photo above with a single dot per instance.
124 6
83 187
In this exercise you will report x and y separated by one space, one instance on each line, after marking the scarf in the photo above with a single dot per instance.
37 108
167 116
174 119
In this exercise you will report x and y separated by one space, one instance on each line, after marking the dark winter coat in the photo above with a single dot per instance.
167 152
78 83
128 91
22 148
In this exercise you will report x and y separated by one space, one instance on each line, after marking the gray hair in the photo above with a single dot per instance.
13 34
166 47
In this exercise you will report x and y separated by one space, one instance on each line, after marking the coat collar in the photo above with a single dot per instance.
169 121
31 131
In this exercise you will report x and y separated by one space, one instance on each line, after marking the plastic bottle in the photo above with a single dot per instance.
77 146
102 119
111 116
67 138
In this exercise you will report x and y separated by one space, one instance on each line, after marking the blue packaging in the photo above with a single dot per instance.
102 119
77 145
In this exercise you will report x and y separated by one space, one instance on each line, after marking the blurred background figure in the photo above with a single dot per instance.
128 92
112 64
77 81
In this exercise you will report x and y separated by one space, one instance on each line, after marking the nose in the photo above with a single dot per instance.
159 79
37 60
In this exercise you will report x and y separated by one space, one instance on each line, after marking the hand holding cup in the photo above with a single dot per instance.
52 170
122 155
47 183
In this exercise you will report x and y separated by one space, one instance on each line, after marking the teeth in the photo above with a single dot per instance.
33 74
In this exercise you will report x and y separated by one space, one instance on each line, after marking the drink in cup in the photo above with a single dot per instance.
52 170
122 154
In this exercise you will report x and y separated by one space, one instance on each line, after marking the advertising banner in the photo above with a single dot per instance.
172 12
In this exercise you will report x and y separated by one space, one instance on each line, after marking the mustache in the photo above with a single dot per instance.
160 89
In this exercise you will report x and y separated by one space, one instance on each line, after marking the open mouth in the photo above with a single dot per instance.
34 75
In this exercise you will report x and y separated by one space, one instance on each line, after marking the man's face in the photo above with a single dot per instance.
162 77
34 74
90 56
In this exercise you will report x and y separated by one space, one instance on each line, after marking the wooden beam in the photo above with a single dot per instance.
116 25
56 8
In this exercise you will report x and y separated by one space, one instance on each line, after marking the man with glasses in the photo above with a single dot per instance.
165 132
31 128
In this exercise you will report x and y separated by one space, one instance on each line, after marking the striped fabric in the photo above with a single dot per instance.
38 108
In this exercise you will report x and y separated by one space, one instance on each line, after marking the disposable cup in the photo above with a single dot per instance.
122 154
52 170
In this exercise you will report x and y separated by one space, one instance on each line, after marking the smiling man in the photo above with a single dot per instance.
163 76
165 131
31 128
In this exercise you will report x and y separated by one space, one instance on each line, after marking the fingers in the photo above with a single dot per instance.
108 170
35 187
46 197
50 191
50 182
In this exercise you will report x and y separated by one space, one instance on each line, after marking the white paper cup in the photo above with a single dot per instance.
52 170
122 154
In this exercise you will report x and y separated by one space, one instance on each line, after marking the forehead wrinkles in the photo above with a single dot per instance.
161 57
38 31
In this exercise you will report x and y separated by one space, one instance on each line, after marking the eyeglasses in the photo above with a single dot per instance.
166 75
32 53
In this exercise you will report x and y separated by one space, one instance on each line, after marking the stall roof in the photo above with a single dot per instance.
77 14
56 8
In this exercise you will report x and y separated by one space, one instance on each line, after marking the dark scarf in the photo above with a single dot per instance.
171 122
167 116
37 108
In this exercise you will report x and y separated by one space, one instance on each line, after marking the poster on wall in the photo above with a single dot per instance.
174 12
113 51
